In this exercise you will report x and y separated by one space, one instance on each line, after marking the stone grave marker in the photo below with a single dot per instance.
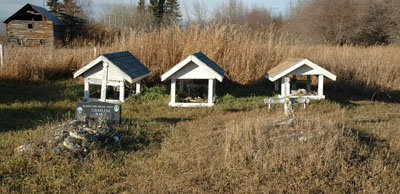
99 110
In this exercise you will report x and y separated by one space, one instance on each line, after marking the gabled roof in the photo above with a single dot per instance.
123 62
290 65
40 10
202 61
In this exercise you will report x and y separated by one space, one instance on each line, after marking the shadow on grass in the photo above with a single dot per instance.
137 138
172 121
47 91
28 118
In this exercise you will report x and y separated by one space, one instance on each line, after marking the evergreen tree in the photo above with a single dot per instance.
55 7
172 11
141 6
71 7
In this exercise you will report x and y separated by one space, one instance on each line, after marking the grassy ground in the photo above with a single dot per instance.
338 145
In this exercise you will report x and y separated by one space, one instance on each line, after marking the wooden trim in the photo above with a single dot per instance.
173 90
210 90
186 61
298 65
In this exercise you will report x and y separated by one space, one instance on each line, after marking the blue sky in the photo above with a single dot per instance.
8 7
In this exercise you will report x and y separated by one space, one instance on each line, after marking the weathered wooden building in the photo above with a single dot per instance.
33 26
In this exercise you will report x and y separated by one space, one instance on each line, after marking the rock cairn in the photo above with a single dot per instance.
78 137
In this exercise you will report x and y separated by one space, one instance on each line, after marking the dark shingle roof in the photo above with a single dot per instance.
48 15
41 10
203 58
128 63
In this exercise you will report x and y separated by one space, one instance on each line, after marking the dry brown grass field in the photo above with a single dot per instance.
348 143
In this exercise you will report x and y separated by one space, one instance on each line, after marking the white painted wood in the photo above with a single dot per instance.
97 73
210 91
283 87
308 86
104 82
276 86
209 69
173 92
87 67
122 92
320 85
2 54
190 104
305 70
175 68
181 86
192 71
318 70
116 71
100 81
86 90
138 87
205 69
287 86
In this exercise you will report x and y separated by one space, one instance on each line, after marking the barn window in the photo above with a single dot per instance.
30 26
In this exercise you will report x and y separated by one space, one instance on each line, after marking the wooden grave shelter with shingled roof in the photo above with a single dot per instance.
196 67
112 69
298 67
33 26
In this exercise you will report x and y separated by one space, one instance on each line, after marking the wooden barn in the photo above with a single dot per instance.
34 26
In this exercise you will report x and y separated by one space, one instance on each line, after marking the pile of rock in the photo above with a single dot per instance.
77 137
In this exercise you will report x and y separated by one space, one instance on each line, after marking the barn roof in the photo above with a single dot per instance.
123 62
201 60
290 65
40 10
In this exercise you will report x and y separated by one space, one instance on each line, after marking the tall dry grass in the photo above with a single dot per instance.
245 55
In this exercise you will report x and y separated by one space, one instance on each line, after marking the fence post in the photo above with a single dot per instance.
95 52
2 54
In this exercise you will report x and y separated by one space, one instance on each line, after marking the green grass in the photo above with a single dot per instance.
232 147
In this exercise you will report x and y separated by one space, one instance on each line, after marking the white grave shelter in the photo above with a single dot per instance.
195 67
296 67
112 69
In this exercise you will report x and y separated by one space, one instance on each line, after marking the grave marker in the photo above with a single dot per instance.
103 110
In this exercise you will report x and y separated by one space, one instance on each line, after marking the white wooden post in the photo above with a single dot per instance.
283 87
86 90
210 90
2 54
321 86
308 87
181 84
138 87
173 88
287 79
121 91
276 86
104 82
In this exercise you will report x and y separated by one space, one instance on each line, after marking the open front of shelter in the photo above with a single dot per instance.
112 69
197 76
296 68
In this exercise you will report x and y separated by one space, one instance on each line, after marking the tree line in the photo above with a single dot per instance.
339 22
